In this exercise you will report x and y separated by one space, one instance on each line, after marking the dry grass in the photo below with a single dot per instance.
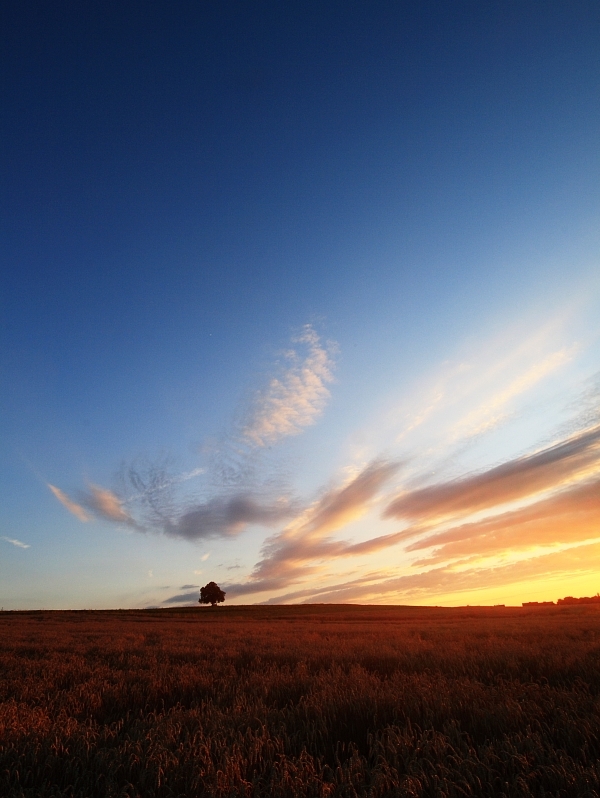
301 701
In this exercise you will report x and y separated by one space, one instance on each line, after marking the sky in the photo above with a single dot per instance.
300 298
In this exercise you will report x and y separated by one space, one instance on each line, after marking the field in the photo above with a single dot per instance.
301 701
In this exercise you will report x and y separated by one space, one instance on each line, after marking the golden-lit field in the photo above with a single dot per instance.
301 701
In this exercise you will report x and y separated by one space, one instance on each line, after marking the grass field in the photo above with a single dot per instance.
301 701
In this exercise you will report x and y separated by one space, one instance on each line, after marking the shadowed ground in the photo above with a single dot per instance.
311 700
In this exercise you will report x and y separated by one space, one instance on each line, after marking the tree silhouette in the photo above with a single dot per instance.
211 594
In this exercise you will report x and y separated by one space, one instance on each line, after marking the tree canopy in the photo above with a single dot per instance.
211 594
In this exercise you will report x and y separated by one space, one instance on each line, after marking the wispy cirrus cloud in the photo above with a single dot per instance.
484 385
106 504
294 399
76 509
14 542
102 502
218 517
493 410
223 516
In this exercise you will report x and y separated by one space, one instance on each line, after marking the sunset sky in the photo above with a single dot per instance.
301 298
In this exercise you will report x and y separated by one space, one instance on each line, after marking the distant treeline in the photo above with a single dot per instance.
585 600
566 600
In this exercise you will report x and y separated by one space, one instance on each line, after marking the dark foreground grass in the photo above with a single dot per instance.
301 701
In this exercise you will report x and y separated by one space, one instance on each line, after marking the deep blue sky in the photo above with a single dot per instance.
185 186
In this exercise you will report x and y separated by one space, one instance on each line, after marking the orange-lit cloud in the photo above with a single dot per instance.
572 515
425 586
102 502
77 510
517 479
295 551
109 506
339 507
559 491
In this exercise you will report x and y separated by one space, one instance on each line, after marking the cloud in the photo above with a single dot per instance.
195 472
182 597
338 507
289 554
296 398
560 485
556 534
492 411
18 543
292 400
205 557
102 502
516 479
572 515
425 586
485 384
452 535
77 510
108 506
226 517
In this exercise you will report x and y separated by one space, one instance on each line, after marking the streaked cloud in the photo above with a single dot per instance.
303 543
77 510
108 506
493 410
572 515
484 385
424 586
18 543
339 507
575 457
195 472
533 506
297 397
102 502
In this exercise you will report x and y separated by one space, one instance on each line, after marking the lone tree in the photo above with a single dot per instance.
211 594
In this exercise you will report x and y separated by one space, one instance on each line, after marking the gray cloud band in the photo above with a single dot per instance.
226 517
